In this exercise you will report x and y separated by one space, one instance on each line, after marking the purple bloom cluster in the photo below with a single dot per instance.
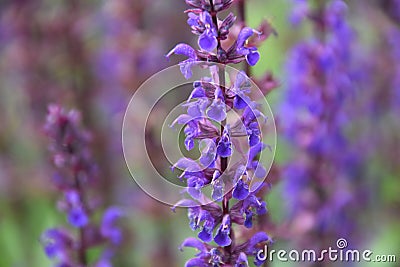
76 178
206 125
320 182
211 32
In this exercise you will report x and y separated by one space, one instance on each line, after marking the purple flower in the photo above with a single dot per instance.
215 257
105 259
183 49
208 226
195 183
194 243
248 223
242 260
253 133
57 243
253 246
208 39
196 262
217 186
253 202
206 218
196 128
193 20
224 147
250 205
109 228
203 255
222 237
191 131
255 165
198 91
196 109
241 87
208 153
77 217
76 173
203 25
251 113
241 190
186 65
217 110
251 53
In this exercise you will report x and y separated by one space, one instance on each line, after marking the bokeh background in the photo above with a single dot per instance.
91 56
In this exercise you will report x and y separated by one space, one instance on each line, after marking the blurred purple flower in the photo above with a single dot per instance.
69 145
321 84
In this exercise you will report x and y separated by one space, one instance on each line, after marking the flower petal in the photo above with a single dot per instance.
222 237
242 260
244 34
193 243
253 57
186 68
241 190
208 42
217 111
196 262
183 49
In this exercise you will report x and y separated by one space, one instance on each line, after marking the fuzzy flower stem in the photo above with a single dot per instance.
82 248
320 30
224 161
215 21
319 20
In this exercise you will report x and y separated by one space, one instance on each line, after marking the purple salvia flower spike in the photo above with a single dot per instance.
321 84
75 177
209 104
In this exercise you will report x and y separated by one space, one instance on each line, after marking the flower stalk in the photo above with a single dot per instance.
76 179
233 199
